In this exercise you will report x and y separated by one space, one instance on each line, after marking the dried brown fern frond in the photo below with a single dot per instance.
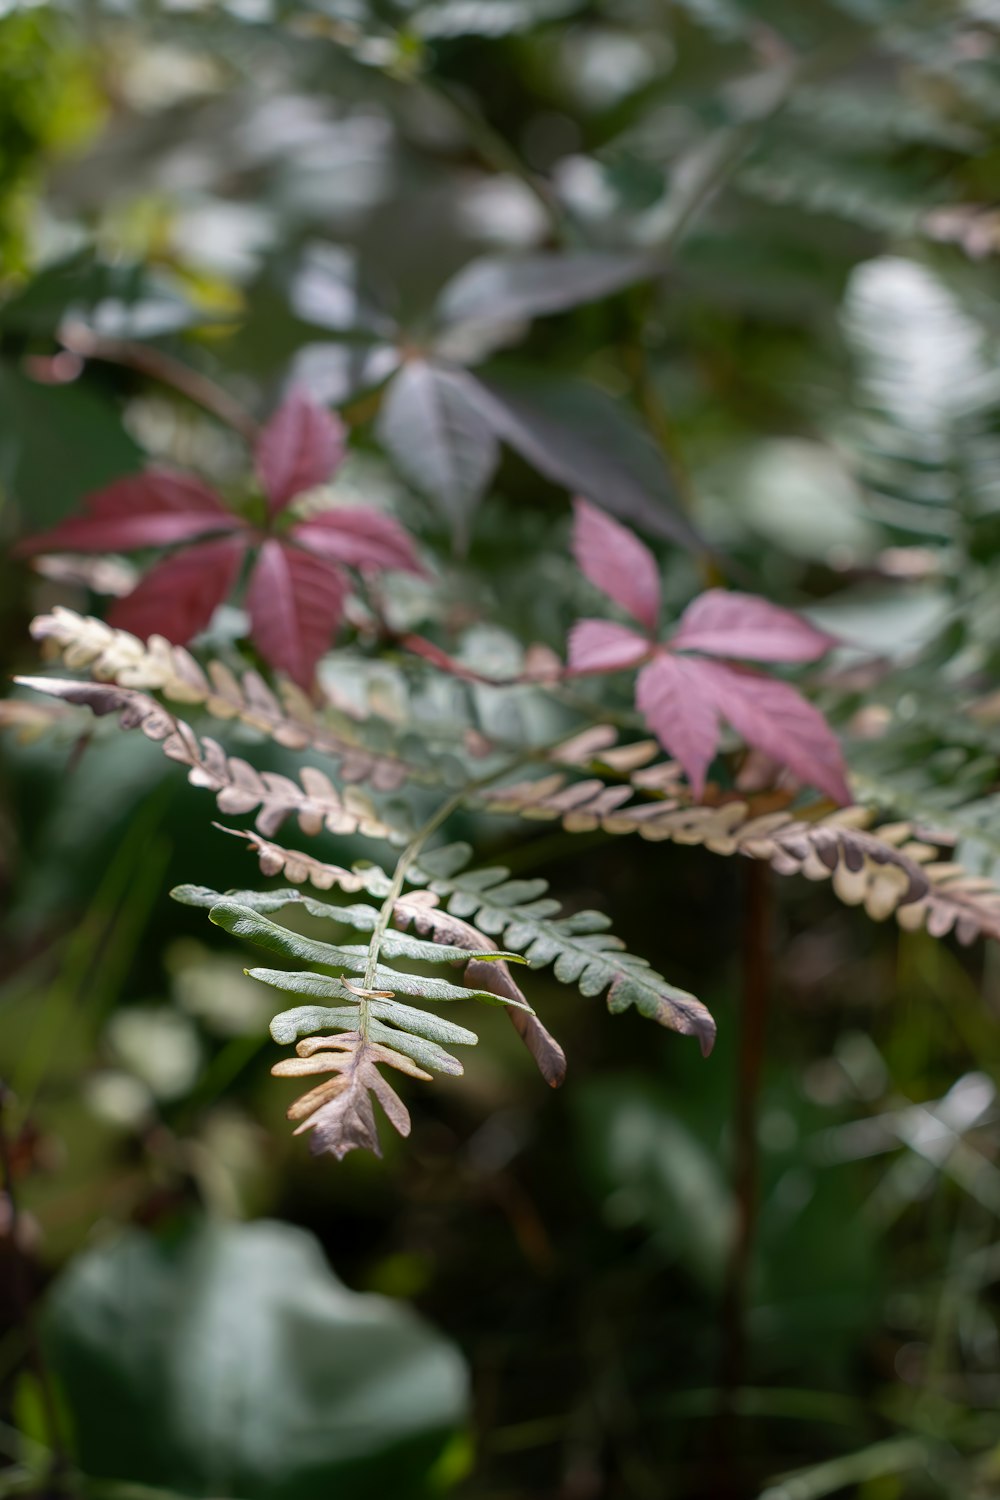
890 869
339 1111
286 715
238 788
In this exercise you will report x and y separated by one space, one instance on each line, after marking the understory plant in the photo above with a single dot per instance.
431 914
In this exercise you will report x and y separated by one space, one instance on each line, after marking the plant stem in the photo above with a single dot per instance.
409 856
755 998
403 865
164 368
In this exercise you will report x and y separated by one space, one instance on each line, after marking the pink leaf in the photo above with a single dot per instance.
179 596
604 646
295 601
775 718
359 537
299 447
154 509
615 560
731 624
671 696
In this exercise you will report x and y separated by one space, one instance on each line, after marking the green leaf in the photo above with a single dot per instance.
305 1020
360 916
582 952
501 289
327 987
233 1362
580 437
439 438
243 922
246 921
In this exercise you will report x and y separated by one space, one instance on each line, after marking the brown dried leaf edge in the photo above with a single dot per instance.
287 716
889 870
237 787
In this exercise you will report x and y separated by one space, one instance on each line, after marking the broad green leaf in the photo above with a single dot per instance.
498 289
582 438
232 1362
437 435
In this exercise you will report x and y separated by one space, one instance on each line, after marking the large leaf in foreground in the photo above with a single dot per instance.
233 1362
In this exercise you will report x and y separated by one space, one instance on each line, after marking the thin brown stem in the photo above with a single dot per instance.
164 368
756 990
757 919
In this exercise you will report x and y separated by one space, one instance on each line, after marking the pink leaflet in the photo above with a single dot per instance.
605 646
154 509
178 597
360 537
724 623
775 718
298 448
617 563
670 694
295 601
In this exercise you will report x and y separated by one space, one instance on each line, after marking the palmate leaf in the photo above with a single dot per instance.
685 699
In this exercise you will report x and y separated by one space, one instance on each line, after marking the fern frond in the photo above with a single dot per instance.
287 717
371 1027
889 870
928 397
238 788
579 946
486 968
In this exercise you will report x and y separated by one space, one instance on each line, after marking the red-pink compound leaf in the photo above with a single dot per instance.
721 623
178 597
299 448
671 695
360 537
617 563
605 646
296 602
156 509
775 718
